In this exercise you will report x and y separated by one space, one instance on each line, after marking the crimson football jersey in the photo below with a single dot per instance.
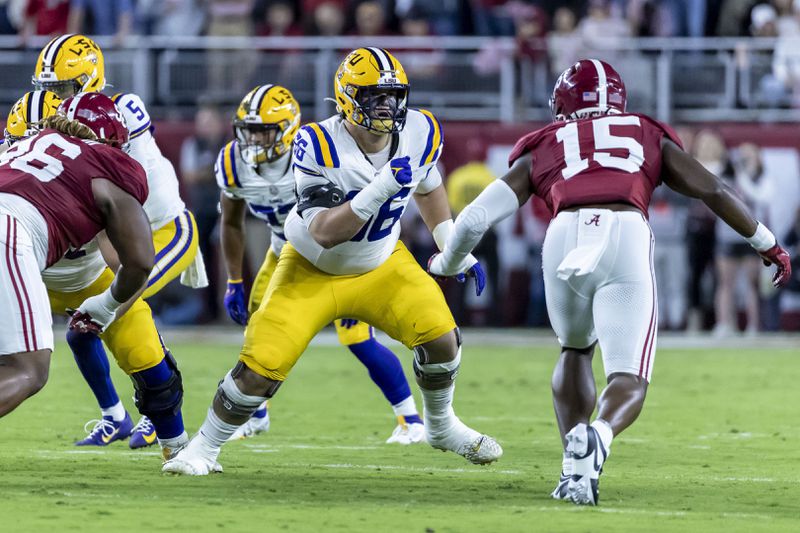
597 160
54 172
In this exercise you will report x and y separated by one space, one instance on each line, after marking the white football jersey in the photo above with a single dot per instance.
325 153
79 268
164 200
76 270
268 189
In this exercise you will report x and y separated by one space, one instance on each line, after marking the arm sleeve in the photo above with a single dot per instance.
496 202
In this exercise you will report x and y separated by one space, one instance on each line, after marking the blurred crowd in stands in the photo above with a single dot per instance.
523 18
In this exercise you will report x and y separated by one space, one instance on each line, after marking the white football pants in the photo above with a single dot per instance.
605 289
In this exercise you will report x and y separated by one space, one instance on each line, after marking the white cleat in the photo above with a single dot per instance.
474 447
588 455
407 433
560 492
251 428
191 461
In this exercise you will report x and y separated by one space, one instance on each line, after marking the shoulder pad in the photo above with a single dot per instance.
325 195
136 115
434 138
225 167
322 145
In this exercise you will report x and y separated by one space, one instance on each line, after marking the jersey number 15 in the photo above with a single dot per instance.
603 140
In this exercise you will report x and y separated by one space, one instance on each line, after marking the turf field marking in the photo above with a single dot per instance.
278 447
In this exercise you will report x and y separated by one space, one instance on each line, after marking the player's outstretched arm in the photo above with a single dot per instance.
232 237
684 174
129 232
496 202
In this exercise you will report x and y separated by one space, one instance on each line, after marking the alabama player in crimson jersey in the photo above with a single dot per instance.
596 167
57 191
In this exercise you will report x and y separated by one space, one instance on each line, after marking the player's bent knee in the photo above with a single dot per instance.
37 369
442 349
241 392
434 372
159 399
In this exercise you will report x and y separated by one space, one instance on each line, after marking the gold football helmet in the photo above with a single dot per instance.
372 90
70 64
33 107
265 124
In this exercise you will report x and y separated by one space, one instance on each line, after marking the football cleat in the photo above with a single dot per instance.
588 455
407 433
190 460
143 435
560 492
106 430
252 427
474 447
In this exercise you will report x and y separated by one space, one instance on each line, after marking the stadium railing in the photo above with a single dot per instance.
459 78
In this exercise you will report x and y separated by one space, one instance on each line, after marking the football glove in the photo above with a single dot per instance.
95 313
469 268
235 302
780 258
401 170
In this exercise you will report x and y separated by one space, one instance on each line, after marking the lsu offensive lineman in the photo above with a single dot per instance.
355 173
72 64
255 171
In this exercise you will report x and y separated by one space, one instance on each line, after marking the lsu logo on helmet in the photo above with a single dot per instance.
70 64
371 90
33 107
266 121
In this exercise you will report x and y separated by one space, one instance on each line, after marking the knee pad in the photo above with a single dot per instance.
165 398
435 373
234 401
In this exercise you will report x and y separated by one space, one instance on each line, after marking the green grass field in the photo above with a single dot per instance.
715 450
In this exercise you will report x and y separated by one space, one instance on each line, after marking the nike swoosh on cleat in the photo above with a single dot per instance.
149 438
107 438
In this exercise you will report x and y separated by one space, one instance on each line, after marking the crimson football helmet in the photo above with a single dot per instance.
100 114
587 88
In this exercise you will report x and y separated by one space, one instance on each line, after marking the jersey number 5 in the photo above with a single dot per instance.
24 154
603 140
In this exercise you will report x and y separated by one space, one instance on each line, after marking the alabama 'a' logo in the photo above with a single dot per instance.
594 220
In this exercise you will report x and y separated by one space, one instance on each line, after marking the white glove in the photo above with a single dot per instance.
441 267
387 182
95 313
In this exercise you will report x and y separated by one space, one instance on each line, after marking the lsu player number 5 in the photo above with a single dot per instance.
256 170
72 64
596 166
355 173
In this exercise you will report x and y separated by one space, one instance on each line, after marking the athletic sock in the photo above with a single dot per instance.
438 405
605 433
168 425
175 442
261 412
116 412
566 464
87 348
215 432
384 368
408 410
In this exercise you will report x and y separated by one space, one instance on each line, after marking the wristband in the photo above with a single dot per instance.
762 239
441 232
234 281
